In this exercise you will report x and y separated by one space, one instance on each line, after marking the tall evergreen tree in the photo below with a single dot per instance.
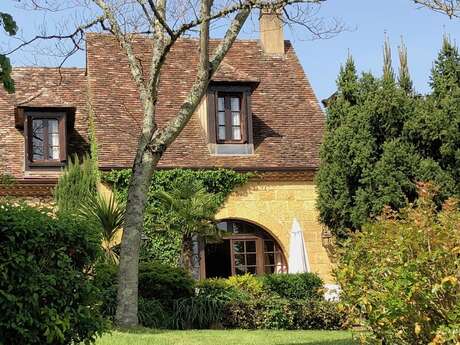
9 25
380 144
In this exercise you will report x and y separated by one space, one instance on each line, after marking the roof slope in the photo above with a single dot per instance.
287 120
40 87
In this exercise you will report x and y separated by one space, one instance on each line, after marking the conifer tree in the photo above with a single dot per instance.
9 25
379 146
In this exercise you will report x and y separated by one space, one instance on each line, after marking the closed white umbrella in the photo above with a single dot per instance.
298 257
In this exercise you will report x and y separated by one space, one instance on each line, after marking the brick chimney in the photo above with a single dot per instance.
271 32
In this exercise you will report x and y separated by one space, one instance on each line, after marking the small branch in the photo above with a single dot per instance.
449 7
160 18
79 30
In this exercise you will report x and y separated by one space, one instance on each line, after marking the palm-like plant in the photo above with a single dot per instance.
109 215
192 211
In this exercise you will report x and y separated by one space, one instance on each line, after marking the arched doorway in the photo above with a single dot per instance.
245 248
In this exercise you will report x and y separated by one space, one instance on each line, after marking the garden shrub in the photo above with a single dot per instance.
105 279
318 314
198 312
400 274
46 294
246 283
294 286
218 289
164 283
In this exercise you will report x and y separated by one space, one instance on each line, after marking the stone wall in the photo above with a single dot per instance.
273 205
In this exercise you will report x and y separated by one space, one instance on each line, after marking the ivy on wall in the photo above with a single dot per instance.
161 245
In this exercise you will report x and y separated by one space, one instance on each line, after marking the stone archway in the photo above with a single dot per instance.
245 248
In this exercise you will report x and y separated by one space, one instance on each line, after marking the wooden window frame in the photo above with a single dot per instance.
227 96
244 92
60 116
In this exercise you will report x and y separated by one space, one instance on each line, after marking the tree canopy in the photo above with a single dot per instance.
9 25
382 138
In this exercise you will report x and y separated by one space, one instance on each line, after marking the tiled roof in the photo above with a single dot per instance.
287 120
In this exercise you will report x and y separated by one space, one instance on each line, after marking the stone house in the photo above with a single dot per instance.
260 115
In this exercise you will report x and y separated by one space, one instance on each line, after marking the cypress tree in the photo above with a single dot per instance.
9 26
383 139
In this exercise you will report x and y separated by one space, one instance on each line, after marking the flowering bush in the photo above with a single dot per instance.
400 275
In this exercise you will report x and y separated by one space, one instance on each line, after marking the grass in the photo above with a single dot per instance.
226 337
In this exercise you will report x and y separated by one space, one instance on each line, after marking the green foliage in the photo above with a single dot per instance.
152 314
9 25
108 215
164 283
76 186
197 312
400 274
161 245
47 296
318 314
294 286
381 138
247 284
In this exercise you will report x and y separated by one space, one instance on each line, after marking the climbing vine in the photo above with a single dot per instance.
159 244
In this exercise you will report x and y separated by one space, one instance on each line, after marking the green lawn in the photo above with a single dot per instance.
227 337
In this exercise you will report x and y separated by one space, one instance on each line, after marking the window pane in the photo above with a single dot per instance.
251 270
38 139
269 259
269 246
240 270
235 118
235 104
221 118
269 269
238 246
236 133
221 132
251 259
239 260
221 104
250 246
53 126
53 152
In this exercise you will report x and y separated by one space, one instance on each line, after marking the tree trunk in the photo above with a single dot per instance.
187 253
128 271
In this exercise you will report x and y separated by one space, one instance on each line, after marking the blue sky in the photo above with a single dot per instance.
367 20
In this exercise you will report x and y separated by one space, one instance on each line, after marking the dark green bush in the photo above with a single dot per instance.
317 314
197 312
105 279
218 290
294 286
46 294
164 283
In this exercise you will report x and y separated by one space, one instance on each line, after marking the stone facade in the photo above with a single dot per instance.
273 205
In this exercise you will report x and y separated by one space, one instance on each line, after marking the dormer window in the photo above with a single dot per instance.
45 137
229 120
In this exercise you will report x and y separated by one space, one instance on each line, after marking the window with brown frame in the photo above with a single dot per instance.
229 115
45 139
230 118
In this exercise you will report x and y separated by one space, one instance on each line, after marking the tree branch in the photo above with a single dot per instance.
449 7
79 30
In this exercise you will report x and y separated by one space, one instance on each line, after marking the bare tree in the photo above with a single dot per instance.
449 7
164 22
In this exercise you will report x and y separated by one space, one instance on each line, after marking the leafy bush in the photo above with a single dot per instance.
47 296
246 283
294 286
164 283
218 290
400 275
105 279
318 314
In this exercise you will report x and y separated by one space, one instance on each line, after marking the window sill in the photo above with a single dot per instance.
231 149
